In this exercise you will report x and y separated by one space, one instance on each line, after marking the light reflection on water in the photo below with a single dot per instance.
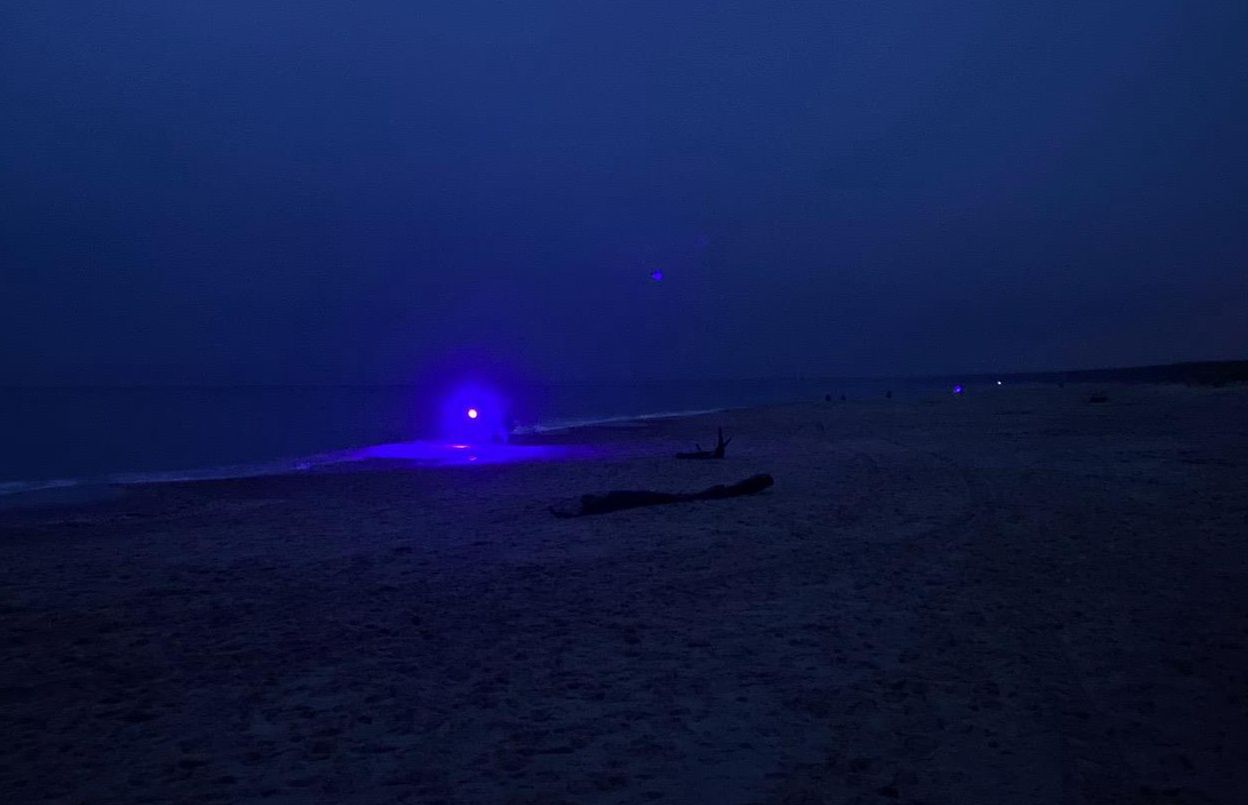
430 453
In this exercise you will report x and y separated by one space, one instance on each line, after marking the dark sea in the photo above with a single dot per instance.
58 436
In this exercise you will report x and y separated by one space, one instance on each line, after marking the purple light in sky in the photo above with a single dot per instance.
957 389
472 413
656 275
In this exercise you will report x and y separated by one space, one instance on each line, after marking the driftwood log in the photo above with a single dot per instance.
718 452
618 500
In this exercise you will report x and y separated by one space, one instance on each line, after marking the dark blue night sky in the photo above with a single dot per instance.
346 192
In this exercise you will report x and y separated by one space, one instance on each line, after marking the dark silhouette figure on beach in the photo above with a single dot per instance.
718 452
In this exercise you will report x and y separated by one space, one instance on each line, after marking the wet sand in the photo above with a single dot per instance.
1012 597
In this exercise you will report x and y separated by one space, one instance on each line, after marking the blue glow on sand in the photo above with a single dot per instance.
435 454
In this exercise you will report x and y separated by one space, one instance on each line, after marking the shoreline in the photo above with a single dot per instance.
430 454
12 491
526 434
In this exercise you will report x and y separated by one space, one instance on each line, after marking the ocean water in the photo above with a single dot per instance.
51 436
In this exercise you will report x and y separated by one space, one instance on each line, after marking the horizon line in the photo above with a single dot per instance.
794 377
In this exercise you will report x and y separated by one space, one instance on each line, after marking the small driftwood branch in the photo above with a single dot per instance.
718 452
616 501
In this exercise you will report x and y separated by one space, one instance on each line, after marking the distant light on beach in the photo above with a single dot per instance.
998 382
957 389
656 275
472 411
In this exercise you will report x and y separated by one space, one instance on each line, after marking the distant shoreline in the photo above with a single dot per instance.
1205 373
1197 373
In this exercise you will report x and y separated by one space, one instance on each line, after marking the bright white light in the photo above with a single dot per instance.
472 413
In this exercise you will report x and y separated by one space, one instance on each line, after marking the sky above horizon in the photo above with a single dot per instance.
330 192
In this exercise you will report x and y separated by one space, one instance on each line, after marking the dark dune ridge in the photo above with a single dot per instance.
1012 596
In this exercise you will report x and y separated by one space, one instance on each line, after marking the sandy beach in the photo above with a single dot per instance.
1010 597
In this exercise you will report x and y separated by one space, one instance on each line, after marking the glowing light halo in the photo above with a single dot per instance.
472 411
